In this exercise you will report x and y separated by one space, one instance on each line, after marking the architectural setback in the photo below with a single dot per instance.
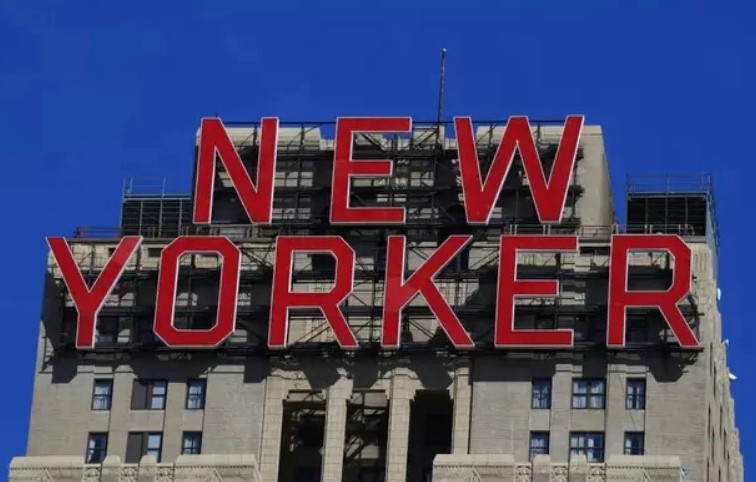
117 404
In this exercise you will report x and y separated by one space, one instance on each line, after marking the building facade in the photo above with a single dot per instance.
133 410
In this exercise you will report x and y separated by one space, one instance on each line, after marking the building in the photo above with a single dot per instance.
133 410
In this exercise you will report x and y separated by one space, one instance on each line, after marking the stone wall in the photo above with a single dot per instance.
211 468
502 468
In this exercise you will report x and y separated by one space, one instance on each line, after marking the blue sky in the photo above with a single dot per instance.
92 92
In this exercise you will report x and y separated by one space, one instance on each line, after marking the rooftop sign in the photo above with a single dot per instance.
480 193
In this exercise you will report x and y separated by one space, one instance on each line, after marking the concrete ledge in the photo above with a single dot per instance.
47 469
226 468
483 467
63 461
644 461
217 459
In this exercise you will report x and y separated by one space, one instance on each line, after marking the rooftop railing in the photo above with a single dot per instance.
252 232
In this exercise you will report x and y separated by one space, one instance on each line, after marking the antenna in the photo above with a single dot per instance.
441 85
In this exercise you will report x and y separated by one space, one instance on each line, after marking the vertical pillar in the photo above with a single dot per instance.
111 469
335 429
147 469
578 469
462 405
173 419
399 423
561 410
541 469
270 447
120 410
615 409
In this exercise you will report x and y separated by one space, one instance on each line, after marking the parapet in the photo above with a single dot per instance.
227 468
479 467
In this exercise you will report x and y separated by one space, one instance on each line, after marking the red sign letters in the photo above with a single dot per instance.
480 195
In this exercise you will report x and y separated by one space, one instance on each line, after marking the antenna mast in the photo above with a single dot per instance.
441 85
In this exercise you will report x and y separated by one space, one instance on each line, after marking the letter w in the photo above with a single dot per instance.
549 195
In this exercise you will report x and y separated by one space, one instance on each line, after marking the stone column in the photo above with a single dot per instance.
111 469
541 468
335 429
561 411
615 409
578 469
398 432
147 469
462 405
270 446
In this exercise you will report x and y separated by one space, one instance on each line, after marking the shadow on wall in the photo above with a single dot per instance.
521 367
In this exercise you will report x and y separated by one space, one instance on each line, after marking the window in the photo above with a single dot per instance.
97 447
372 474
539 444
191 443
307 474
637 330
310 431
541 397
102 393
588 393
635 394
634 443
195 394
148 395
438 430
721 419
139 444
154 252
107 329
590 444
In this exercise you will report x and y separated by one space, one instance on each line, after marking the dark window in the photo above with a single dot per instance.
310 431
635 394
148 394
590 444
145 333
107 329
140 444
721 418
191 443
307 474
634 443
539 444
541 396
372 474
195 394
437 430
102 393
637 330
97 447
588 393
154 252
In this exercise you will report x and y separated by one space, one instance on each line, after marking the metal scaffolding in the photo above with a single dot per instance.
426 181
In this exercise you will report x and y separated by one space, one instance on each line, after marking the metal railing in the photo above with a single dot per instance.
669 183
252 232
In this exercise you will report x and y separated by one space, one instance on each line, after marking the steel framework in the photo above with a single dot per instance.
425 181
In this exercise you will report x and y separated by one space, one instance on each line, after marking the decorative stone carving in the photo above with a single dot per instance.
501 468
47 469
596 472
92 473
129 473
523 473
559 473
164 473
188 468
